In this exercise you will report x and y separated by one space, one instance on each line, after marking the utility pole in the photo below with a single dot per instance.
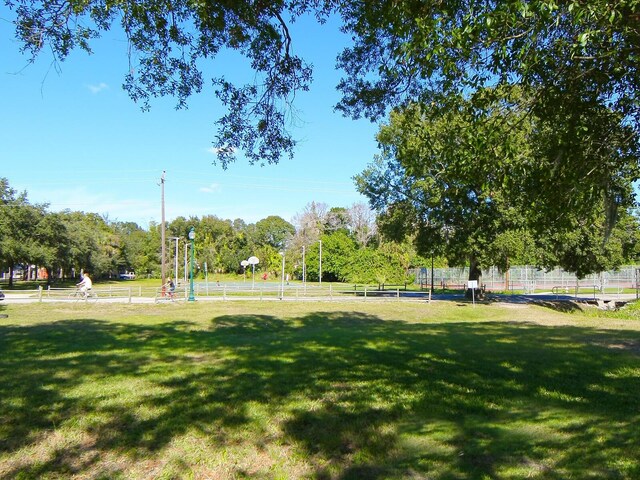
162 232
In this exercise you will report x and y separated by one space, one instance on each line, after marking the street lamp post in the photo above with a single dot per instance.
177 239
304 269
282 278
320 264
192 236
185 270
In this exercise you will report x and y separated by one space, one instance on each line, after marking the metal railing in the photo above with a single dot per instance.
106 293
231 291
297 291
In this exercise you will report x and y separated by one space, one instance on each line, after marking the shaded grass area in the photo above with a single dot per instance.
267 392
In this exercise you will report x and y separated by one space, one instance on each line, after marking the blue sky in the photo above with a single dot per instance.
72 137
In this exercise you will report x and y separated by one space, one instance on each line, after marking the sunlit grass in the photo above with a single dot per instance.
350 390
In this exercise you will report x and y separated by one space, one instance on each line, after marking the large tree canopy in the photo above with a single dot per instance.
572 49
576 62
473 184
448 180
573 65
576 55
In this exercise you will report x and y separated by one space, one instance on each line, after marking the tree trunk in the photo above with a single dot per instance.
506 277
475 273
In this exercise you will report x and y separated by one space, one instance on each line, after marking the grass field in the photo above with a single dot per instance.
318 390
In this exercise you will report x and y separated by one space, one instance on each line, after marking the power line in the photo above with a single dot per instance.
294 184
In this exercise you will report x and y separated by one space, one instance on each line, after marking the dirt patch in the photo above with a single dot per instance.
514 306
632 346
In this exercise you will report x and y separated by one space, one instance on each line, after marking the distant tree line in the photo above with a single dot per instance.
354 244
65 243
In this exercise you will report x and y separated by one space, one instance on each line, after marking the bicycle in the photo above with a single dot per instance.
167 295
83 295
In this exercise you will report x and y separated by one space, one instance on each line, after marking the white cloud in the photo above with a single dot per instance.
82 199
98 88
214 187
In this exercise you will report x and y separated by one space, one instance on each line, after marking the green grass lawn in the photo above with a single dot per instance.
350 390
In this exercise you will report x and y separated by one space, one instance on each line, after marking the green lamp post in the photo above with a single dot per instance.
192 237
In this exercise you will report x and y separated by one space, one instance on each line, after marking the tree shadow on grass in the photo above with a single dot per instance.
351 394
564 306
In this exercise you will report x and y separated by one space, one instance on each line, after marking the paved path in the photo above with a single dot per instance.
30 297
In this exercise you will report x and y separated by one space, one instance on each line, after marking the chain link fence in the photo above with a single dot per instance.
530 279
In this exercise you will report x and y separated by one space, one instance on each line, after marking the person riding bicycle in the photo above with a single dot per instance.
85 284
171 287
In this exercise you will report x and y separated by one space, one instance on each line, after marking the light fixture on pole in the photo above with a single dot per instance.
192 237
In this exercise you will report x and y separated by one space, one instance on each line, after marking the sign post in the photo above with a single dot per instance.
473 284
244 264
253 261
